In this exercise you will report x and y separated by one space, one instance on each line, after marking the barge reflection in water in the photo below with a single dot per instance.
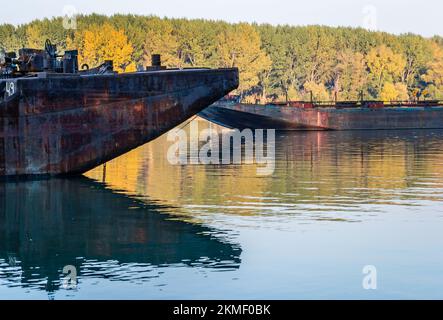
49 224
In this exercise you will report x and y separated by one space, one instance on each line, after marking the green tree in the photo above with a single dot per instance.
198 41
417 52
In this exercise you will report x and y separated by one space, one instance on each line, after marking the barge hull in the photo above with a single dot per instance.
322 118
71 124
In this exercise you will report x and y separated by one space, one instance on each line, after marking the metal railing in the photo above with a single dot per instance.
359 104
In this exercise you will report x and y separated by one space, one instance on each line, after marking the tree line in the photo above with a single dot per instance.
276 63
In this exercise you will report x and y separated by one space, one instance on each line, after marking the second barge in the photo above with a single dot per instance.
370 115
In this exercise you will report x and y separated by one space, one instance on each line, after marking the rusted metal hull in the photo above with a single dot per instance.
71 124
294 118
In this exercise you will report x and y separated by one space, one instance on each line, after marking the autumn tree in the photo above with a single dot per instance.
434 74
38 31
98 43
133 26
10 39
350 75
438 40
160 39
394 92
239 46
317 91
276 62
34 37
385 66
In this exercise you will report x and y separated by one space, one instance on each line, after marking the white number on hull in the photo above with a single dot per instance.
10 89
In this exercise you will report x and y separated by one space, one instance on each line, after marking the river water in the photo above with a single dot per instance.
142 228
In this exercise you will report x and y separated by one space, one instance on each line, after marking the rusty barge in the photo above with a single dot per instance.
369 115
56 119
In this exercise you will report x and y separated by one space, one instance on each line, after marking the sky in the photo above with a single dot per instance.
423 17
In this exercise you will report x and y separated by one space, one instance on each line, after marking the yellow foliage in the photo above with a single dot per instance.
240 46
161 40
293 94
394 92
402 91
319 91
435 71
251 99
98 43
350 75
34 37
385 65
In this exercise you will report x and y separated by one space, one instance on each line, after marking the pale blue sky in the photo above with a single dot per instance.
396 16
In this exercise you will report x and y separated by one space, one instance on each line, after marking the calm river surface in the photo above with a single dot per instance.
144 229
